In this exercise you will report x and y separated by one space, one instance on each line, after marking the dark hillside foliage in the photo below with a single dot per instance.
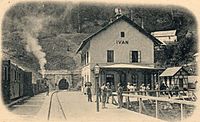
65 25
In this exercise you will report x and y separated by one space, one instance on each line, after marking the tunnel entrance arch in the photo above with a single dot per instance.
63 84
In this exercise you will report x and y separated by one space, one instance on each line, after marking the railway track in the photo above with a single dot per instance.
55 94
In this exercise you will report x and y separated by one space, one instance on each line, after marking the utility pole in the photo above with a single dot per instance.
96 72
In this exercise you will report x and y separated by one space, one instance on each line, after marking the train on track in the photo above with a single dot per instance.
17 82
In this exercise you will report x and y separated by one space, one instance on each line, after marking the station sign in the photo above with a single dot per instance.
121 42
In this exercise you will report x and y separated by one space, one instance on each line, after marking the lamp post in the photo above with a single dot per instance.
96 72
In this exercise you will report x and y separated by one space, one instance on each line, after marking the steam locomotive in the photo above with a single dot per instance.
17 83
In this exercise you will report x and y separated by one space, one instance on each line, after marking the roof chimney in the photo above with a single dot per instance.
118 12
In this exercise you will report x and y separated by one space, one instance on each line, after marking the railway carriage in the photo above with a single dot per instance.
16 82
6 81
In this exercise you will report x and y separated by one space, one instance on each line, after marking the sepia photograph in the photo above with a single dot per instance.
89 61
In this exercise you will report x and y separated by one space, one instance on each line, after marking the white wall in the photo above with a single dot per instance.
106 40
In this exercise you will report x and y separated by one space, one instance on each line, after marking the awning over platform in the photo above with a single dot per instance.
169 72
127 66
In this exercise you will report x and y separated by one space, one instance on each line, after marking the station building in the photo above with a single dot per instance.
124 52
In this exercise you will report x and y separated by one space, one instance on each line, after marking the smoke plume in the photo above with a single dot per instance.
31 31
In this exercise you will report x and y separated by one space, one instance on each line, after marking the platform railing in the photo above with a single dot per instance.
190 93
141 95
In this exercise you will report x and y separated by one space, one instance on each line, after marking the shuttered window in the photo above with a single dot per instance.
87 57
122 34
110 55
135 56
5 76
15 74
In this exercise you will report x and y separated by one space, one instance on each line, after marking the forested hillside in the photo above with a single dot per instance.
59 29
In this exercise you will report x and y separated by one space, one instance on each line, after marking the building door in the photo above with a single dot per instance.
134 78
110 79
123 80
181 83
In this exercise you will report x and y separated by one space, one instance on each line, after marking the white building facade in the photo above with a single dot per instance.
124 53
166 37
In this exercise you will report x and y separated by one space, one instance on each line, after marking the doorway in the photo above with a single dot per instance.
110 79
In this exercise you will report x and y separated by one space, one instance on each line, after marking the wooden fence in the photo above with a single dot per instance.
146 95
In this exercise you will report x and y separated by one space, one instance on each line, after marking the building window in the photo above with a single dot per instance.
83 59
19 76
122 34
135 56
5 76
15 74
87 57
110 55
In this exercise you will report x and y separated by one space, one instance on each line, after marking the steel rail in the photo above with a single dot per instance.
49 111
61 107
50 105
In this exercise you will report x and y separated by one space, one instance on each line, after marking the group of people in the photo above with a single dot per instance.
132 88
173 89
105 92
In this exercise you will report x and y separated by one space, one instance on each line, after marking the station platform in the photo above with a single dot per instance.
78 109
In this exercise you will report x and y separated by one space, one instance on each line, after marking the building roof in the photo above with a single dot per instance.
164 33
85 41
170 71
163 36
127 66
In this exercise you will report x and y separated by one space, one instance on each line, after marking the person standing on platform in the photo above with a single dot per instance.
142 89
132 88
104 95
47 89
128 87
89 94
157 89
147 89
119 95
163 88
108 92
112 90
128 90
